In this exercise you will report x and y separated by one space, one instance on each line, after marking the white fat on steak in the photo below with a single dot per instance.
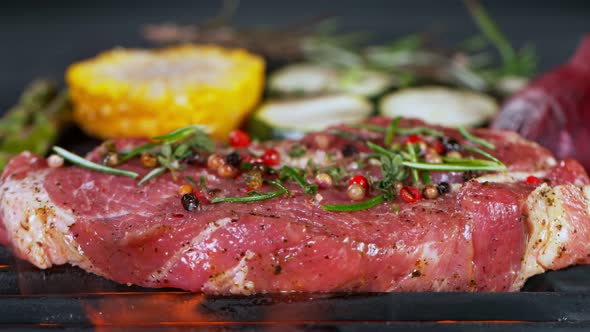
37 227
191 253
550 226
233 280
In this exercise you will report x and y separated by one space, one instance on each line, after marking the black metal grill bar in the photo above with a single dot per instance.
65 298
394 307
323 327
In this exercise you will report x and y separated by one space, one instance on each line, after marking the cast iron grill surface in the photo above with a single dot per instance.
69 299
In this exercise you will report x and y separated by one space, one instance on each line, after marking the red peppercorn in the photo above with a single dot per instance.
360 180
413 139
532 180
239 139
410 194
439 148
202 198
271 157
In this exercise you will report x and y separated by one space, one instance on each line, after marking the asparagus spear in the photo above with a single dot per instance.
35 121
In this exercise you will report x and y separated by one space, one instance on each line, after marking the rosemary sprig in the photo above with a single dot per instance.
288 172
454 167
477 140
521 63
199 139
297 150
364 205
83 162
413 158
420 130
490 30
381 150
247 199
152 174
256 197
279 185
482 152
345 134
450 165
426 177
192 181
369 127
138 150
391 130
180 134
401 131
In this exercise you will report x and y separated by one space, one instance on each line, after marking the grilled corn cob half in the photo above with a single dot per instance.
129 93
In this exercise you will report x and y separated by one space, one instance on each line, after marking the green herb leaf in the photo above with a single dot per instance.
469 161
199 139
413 158
279 185
489 29
420 130
426 177
138 150
454 167
179 134
82 162
521 64
392 169
483 153
335 172
401 131
288 172
166 150
247 199
255 197
381 150
191 180
475 139
297 150
369 127
344 134
365 205
152 174
182 151
391 130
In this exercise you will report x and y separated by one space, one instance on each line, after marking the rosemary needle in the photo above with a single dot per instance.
255 198
83 162
152 174
454 167
364 205
477 140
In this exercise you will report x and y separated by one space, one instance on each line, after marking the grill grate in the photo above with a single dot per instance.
67 298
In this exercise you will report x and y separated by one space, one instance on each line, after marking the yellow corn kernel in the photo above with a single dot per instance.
130 93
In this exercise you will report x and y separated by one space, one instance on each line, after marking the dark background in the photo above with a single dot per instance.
40 38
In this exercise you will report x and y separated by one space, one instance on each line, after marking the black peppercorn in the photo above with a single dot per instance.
349 150
190 202
443 187
233 159
451 144
195 158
